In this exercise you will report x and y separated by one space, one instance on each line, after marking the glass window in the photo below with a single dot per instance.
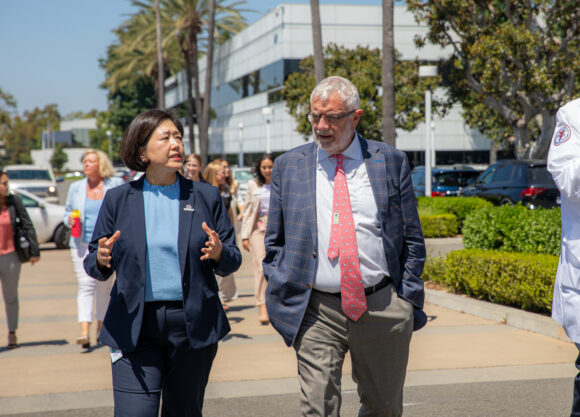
418 178
461 157
446 179
539 175
505 173
27 201
467 178
487 175
29 174
264 79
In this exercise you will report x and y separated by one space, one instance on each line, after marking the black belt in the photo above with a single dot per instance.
368 290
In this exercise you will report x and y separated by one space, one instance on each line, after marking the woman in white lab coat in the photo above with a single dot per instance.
564 165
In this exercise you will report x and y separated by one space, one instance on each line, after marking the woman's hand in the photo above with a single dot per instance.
105 249
213 246
246 244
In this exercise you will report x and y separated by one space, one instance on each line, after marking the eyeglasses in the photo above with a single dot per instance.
331 119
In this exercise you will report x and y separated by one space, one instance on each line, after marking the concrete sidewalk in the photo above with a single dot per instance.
50 372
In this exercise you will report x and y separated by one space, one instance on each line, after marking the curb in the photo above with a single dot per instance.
514 317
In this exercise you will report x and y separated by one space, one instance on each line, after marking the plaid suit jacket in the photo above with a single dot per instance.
291 240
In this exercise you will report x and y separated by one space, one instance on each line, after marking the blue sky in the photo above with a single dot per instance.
50 49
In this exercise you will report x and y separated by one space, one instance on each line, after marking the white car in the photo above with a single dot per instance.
46 218
242 175
39 181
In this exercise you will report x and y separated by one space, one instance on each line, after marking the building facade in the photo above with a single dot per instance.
250 69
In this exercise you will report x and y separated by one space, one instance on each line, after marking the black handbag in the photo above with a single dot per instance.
21 243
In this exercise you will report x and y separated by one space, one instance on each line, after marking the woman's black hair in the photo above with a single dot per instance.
138 134
256 170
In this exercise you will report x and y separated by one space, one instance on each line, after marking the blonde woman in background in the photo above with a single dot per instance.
214 174
254 223
194 167
230 187
86 196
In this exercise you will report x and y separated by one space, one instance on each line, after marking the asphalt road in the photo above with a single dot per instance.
536 398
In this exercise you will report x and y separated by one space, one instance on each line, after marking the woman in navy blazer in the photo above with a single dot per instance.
165 237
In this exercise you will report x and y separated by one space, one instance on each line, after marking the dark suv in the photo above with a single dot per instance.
444 181
513 181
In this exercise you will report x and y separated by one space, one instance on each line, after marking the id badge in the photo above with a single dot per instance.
116 354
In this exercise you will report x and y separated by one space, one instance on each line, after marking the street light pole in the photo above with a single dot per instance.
428 143
241 139
267 113
110 136
428 71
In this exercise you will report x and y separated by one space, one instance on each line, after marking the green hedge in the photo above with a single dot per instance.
458 206
438 225
513 229
518 280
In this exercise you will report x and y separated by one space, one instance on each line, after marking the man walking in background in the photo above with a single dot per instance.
344 255
564 165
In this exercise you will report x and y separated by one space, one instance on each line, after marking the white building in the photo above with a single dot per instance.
80 129
250 69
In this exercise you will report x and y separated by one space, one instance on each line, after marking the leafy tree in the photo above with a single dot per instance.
513 63
25 132
134 54
7 106
362 66
125 104
81 115
59 157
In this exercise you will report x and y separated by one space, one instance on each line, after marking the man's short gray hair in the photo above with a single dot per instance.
337 85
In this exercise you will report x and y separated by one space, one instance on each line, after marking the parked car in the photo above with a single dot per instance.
124 173
39 181
513 181
47 219
242 175
445 181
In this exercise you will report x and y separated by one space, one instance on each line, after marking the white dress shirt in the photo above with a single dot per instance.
373 264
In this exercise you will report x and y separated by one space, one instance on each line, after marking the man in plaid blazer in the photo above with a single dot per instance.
304 285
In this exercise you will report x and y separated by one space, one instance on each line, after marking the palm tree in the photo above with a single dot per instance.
160 65
190 23
388 76
184 27
134 54
317 41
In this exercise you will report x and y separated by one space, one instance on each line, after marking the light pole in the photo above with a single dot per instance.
241 139
110 136
267 112
428 71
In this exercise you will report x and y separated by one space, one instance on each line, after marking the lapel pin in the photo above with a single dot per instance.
188 208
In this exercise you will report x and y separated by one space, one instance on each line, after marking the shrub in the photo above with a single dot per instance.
513 229
521 280
438 225
459 206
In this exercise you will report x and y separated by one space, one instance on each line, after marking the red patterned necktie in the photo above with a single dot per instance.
343 245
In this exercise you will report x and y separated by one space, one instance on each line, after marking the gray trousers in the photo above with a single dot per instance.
9 275
379 347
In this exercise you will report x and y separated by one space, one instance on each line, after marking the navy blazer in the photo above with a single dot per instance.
292 242
123 209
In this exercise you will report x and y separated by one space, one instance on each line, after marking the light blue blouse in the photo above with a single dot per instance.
161 228
92 208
